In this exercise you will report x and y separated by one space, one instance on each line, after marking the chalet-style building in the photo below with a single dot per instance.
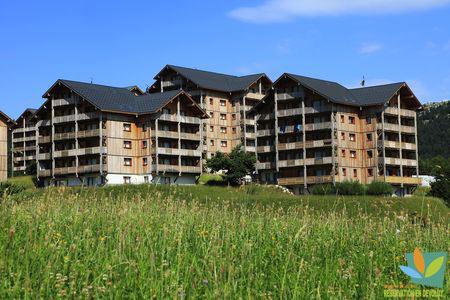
226 99
313 131
93 134
24 142
5 135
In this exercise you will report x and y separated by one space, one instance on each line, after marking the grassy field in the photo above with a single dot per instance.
210 242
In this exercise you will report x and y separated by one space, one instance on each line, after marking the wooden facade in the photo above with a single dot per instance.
305 139
24 142
5 125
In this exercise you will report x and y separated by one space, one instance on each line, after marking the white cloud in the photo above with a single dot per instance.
368 48
286 10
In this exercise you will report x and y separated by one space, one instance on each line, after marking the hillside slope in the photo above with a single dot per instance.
433 129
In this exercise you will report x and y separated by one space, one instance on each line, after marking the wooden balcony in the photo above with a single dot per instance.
190 136
88 133
182 119
265 132
44 156
403 112
289 95
24 158
301 180
19 168
395 128
265 165
87 115
65 170
43 123
404 180
265 117
45 173
289 112
62 102
24 139
90 150
24 129
191 169
190 152
65 153
248 121
265 149
398 161
89 168
64 136
256 96
396 145
250 148
64 119
166 134
44 139
250 135
308 144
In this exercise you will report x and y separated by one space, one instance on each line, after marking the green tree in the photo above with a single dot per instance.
236 165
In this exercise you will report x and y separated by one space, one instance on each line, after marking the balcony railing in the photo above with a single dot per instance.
265 132
191 169
64 136
88 133
45 173
44 139
255 96
403 112
289 95
24 139
264 117
289 112
396 145
61 102
44 156
265 165
398 161
166 134
182 119
308 144
265 149
190 136
301 180
394 127
89 168
22 129
404 180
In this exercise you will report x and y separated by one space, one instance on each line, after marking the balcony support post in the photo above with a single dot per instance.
399 118
417 144
53 135
100 128
305 183
275 111
179 135
245 125
383 137
76 140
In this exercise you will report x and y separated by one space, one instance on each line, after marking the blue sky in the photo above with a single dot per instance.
128 42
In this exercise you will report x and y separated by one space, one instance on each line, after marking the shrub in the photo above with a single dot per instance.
379 188
350 188
322 189
8 188
441 189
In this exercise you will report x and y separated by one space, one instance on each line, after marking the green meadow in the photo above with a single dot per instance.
210 242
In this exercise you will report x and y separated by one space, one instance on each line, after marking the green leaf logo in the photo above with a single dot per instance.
434 267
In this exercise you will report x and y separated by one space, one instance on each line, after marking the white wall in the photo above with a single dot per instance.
118 178
181 180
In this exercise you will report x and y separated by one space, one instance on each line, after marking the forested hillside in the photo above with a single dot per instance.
433 125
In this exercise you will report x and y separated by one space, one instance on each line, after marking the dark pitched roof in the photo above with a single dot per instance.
6 118
373 95
335 92
216 81
28 111
116 99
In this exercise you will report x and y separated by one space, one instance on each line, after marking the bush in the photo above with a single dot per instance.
441 189
8 188
350 188
322 189
379 188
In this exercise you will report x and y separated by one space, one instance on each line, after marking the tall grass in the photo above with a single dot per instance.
212 242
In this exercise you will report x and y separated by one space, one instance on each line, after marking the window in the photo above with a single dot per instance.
370 172
342 119
369 154
144 144
369 137
127 144
343 136
352 137
126 179
144 161
145 179
344 171
211 101
223 130
127 127
234 129
223 116
211 114
223 143
233 116
211 142
223 103
355 173
351 120
211 128
352 154
368 120
127 161
343 152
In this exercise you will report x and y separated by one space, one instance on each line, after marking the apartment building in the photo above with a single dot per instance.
5 136
90 134
225 98
312 131
24 142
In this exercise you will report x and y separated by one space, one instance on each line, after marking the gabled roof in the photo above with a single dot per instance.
6 118
335 92
28 111
122 100
373 95
215 81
